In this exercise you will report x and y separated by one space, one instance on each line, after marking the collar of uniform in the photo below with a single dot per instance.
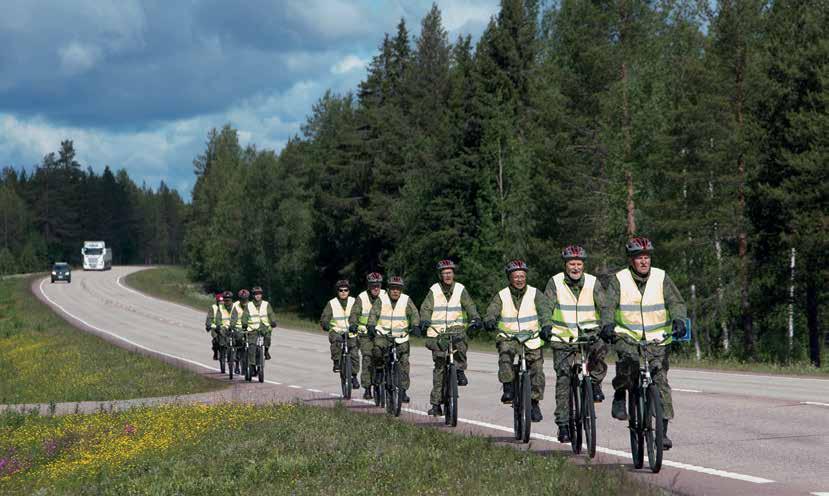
574 283
517 292
637 277
343 302
447 290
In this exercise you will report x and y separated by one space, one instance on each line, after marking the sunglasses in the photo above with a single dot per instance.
342 290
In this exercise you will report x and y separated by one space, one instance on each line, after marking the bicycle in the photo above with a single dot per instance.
231 354
522 401
582 410
389 379
257 368
645 414
449 389
345 367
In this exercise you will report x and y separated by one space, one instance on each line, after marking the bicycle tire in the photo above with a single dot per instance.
231 361
391 391
222 360
516 405
451 396
345 375
260 368
654 428
575 415
379 388
246 365
526 407
637 436
398 394
588 417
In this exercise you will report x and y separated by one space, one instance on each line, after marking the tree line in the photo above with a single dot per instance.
49 211
701 125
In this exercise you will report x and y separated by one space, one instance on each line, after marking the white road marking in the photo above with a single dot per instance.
619 453
815 403
821 494
314 390
686 390
295 387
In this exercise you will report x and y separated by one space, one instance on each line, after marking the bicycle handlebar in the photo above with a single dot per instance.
590 339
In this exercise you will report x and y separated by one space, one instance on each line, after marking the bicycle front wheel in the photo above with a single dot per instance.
260 357
379 388
588 417
575 415
637 437
345 375
222 352
231 361
654 428
526 407
517 425
451 396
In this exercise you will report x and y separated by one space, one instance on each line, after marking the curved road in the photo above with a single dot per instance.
734 434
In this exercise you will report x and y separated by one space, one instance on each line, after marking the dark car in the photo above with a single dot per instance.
61 272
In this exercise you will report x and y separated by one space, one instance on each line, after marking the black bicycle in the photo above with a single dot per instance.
582 410
222 344
345 367
256 366
388 378
449 389
227 352
645 413
522 401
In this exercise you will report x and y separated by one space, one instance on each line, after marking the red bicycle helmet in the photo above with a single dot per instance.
446 264
573 252
243 294
219 297
374 278
516 264
396 281
638 245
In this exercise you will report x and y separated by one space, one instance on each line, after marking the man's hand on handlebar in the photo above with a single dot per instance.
679 329
607 332
547 333
372 331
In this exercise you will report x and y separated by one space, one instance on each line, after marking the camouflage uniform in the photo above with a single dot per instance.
336 339
509 348
210 326
366 344
264 330
627 361
438 347
561 352
382 344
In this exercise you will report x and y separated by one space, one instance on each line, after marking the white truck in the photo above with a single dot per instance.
96 256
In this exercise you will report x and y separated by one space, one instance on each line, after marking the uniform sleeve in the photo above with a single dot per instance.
245 317
468 305
611 301
327 313
271 315
428 306
493 311
210 322
598 296
356 311
374 314
235 319
412 314
542 305
550 292
673 300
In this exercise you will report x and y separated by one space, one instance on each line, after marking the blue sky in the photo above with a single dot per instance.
137 84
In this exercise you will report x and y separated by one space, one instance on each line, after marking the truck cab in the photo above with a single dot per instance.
96 256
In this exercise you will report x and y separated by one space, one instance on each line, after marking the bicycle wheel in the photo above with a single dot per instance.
526 407
575 415
231 361
637 437
246 365
398 395
588 417
379 387
222 351
653 428
345 375
260 368
517 424
451 396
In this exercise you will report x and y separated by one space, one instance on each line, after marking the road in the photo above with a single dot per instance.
735 433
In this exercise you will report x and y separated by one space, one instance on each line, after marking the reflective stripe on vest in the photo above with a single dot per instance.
393 319
446 313
237 307
365 309
524 319
339 316
224 315
571 313
638 312
258 316
215 310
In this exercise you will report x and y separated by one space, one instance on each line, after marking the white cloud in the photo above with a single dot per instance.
77 57
348 64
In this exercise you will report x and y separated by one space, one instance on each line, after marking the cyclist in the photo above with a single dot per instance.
519 308
641 298
259 317
394 314
577 299
210 324
357 323
447 304
334 320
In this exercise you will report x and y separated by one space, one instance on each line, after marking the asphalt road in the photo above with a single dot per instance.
735 433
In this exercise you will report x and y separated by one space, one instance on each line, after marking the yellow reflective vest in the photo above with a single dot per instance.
571 313
365 309
393 320
258 316
524 319
446 314
642 312
222 318
339 316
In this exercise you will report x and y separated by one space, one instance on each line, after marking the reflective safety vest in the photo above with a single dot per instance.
524 319
393 320
237 307
570 312
215 310
640 312
223 317
446 313
258 316
339 316
365 309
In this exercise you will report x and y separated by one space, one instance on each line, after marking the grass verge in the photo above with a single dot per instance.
44 359
278 449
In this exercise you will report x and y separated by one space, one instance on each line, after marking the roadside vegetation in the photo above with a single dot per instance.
44 359
277 449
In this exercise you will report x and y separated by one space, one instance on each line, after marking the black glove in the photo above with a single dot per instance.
546 333
425 324
474 324
326 326
490 325
352 328
372 331
678 329
415 331
607 332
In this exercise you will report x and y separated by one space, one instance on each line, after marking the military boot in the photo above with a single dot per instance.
666 441
336 367
435 411
267 353
598 395
367 394
563 433
215 354
618 410
506 398
404 398
462 380
355 384
535 412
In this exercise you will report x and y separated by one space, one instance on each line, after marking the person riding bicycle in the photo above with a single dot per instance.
210 324
236 321
520 308
357 323
577 299
223 315
259 317
394 315
641 298
334 320
447 305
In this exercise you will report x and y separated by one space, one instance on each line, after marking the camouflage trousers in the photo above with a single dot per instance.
336 341
508 349
562 363
366 350
381 347
250 337
627 370
439 348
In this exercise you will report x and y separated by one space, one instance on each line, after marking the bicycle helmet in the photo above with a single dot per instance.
446 264
227 295
573 252
257 290
638 245
343 283
243 294
514 265
396 281
374 278
219 297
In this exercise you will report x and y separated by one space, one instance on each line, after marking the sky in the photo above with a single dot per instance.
138 84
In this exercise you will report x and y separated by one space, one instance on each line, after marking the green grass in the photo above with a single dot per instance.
297 450
733 364
44 359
